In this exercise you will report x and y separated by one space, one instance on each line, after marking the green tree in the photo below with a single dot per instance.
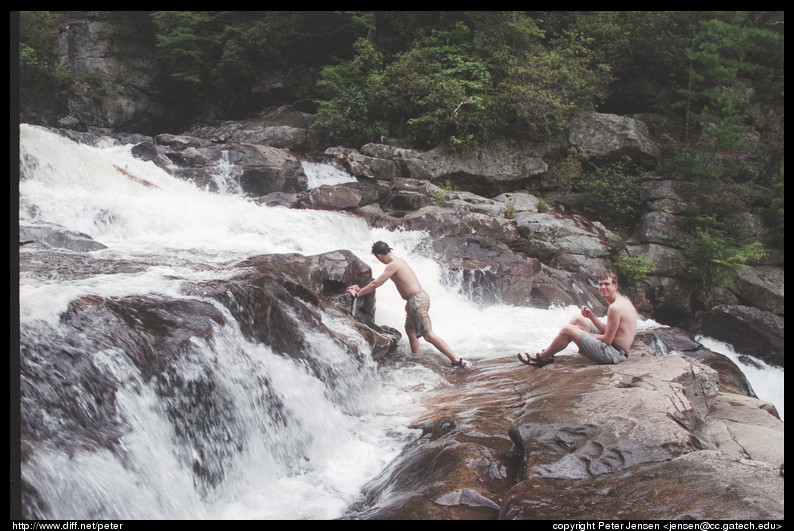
345 89
632 269
436 91
223 59
611 190
187 43
775 213
542 87
711 257
476 76
725 51
42 82
728 52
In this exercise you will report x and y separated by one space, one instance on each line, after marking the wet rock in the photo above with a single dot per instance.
703 485
762 287
749 330
332 198
54 236
72 374
71 380
491 272
278 300
587 441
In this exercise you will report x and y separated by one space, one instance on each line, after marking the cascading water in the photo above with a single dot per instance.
325 173
278 442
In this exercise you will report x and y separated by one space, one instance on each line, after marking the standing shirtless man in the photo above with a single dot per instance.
602 343
417 321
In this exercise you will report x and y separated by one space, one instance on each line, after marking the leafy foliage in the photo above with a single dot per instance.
775 216
632 269
611 191
461 79
724 53
438 88
710 256
485 76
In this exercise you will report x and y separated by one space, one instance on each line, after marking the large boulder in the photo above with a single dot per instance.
70 384
493 273
444 219
750 330
612 136
500 167
73 378
576 440
284 128
278 299
257 169
761 287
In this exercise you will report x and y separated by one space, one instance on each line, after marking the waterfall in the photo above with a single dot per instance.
325 173
279 442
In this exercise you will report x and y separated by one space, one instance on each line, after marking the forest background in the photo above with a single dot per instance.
462 79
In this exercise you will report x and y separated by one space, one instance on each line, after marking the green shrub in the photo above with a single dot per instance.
632 269
711 257
610 192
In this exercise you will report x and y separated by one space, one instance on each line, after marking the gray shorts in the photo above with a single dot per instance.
597 350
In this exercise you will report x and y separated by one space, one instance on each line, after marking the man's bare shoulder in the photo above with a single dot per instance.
399 264
624 304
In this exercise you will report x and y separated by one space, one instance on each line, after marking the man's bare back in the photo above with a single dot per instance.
403 277
399 272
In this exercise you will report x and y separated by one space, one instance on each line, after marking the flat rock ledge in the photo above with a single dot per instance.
655 437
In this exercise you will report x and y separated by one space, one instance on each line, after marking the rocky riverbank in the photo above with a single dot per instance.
505 238
674 432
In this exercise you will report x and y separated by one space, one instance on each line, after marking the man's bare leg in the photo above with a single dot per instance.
412 340
568 333
581 321
441 346
434 340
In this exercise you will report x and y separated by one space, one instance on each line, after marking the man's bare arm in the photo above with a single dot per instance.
588 313
375 284
611 329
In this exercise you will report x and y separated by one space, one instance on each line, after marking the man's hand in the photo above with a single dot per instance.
353 290
587 312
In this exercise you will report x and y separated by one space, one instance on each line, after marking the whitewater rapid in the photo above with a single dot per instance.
180 232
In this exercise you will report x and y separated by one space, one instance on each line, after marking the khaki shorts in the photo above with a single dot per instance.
598 351
417 317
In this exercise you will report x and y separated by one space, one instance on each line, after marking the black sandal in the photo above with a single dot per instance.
458 364
536 361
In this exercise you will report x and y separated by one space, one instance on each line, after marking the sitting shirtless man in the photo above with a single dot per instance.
417 322
602 343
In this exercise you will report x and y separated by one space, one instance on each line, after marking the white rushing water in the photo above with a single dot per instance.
344 436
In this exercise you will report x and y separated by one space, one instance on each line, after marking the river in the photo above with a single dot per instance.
309 466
